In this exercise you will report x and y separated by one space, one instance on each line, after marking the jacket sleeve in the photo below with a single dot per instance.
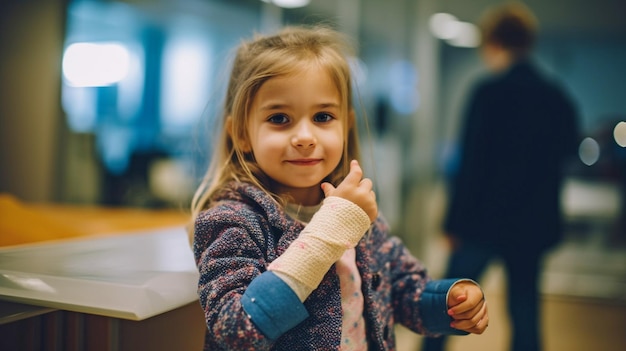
433 305
272 305
238 296
419 303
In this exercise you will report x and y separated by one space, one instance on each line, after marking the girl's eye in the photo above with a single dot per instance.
278 119
323 117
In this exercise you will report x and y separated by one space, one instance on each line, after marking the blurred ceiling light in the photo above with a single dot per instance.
443 25
468 36
288 4
619 133
447 27
95 64
589 151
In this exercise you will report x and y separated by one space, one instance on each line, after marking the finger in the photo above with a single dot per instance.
327 188
465 310
473 322
456 299
481 325
465 299
355 174
366 183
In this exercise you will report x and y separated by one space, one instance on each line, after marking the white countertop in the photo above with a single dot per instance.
132 276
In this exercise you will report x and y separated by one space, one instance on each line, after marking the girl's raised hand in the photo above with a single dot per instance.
468 308
356 189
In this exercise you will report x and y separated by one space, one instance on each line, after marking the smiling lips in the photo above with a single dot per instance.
305 162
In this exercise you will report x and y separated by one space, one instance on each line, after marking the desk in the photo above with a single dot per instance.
129 291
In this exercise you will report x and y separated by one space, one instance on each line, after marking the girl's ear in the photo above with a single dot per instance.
239 143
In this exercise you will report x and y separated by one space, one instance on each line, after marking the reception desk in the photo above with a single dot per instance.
124 290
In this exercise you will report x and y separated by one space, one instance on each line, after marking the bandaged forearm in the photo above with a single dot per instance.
337 226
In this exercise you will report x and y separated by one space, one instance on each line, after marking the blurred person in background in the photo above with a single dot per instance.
520 128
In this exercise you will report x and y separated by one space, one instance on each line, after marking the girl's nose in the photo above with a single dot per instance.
304 137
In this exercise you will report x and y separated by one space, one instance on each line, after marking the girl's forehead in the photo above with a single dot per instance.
313 85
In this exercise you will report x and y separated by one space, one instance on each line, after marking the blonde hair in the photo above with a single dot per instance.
258 60
511 25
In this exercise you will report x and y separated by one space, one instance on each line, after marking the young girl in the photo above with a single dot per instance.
291 250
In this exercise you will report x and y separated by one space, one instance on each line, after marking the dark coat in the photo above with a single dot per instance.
519 130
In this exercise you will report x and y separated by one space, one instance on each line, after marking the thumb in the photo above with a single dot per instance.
327 188
456 298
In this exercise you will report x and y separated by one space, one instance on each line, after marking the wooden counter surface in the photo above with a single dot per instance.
23 223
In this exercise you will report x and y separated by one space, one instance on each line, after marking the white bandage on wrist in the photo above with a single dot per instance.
338 225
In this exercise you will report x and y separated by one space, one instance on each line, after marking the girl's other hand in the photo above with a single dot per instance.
468 307
357 189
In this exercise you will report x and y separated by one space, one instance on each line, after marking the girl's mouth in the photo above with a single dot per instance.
304 162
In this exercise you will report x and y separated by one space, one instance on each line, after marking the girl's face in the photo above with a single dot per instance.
296 132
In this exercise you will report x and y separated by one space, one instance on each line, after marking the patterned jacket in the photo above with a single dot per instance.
236 240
